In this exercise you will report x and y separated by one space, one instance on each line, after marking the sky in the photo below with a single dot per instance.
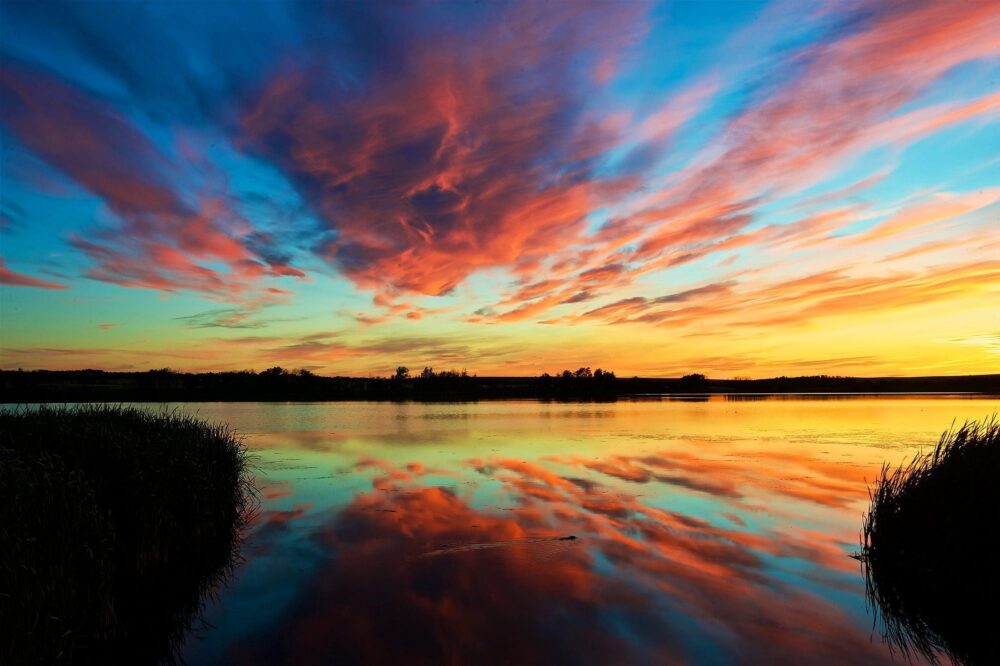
739 189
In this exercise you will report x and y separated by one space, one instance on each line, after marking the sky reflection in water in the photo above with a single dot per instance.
705 532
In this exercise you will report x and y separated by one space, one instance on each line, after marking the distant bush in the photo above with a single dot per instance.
694 382
580 384
114 524
929 548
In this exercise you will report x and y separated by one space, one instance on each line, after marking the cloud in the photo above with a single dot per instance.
801 300
166 237
114 359
635 304
943 206
243 317
695 293
988 341
11 215
468 147
833 99
15 279
389 351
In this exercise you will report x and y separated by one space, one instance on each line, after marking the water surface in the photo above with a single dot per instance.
654 531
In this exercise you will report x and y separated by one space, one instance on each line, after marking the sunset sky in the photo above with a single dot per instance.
732 188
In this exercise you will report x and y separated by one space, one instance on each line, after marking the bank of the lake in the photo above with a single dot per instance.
115 524
278 384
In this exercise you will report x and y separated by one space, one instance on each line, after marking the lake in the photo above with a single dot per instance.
650 531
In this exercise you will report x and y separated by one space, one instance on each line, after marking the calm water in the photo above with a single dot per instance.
705 532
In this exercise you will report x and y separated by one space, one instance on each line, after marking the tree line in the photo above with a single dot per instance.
278 383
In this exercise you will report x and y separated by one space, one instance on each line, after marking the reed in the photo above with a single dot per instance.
116 523
929 548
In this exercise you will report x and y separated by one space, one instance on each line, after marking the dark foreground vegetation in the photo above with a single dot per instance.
114 525
930 549
281 384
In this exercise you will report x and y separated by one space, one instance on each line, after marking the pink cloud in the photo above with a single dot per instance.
940 208
839 103
447 166
15 279
163 239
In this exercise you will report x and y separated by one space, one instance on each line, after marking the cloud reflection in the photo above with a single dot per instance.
430 574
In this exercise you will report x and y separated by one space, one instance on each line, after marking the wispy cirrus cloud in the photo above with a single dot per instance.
14 279
840 100
833 293
469 148
989 341
230 318
165 238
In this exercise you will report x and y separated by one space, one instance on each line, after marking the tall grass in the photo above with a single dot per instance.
115 523
929 548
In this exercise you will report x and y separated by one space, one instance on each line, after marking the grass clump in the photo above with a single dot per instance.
114 523
929 548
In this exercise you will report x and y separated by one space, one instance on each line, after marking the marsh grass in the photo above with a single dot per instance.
929 548
115 523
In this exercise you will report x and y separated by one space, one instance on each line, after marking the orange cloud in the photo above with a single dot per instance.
445 165
944 206
838 104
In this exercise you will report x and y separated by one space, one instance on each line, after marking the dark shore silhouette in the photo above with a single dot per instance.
278 384
929 547
115 524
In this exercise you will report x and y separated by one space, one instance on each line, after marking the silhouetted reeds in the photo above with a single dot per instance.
115 523
929 548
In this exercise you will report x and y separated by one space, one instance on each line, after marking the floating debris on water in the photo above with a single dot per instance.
551 545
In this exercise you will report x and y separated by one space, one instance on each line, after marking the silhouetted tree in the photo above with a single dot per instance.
694 382
603 376
402 372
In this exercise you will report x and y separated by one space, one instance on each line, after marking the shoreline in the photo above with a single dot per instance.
279 385
658 397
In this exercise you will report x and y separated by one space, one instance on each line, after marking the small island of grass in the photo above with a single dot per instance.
115 524
929 548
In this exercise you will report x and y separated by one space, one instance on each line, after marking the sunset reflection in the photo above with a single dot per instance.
429 536
416 572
